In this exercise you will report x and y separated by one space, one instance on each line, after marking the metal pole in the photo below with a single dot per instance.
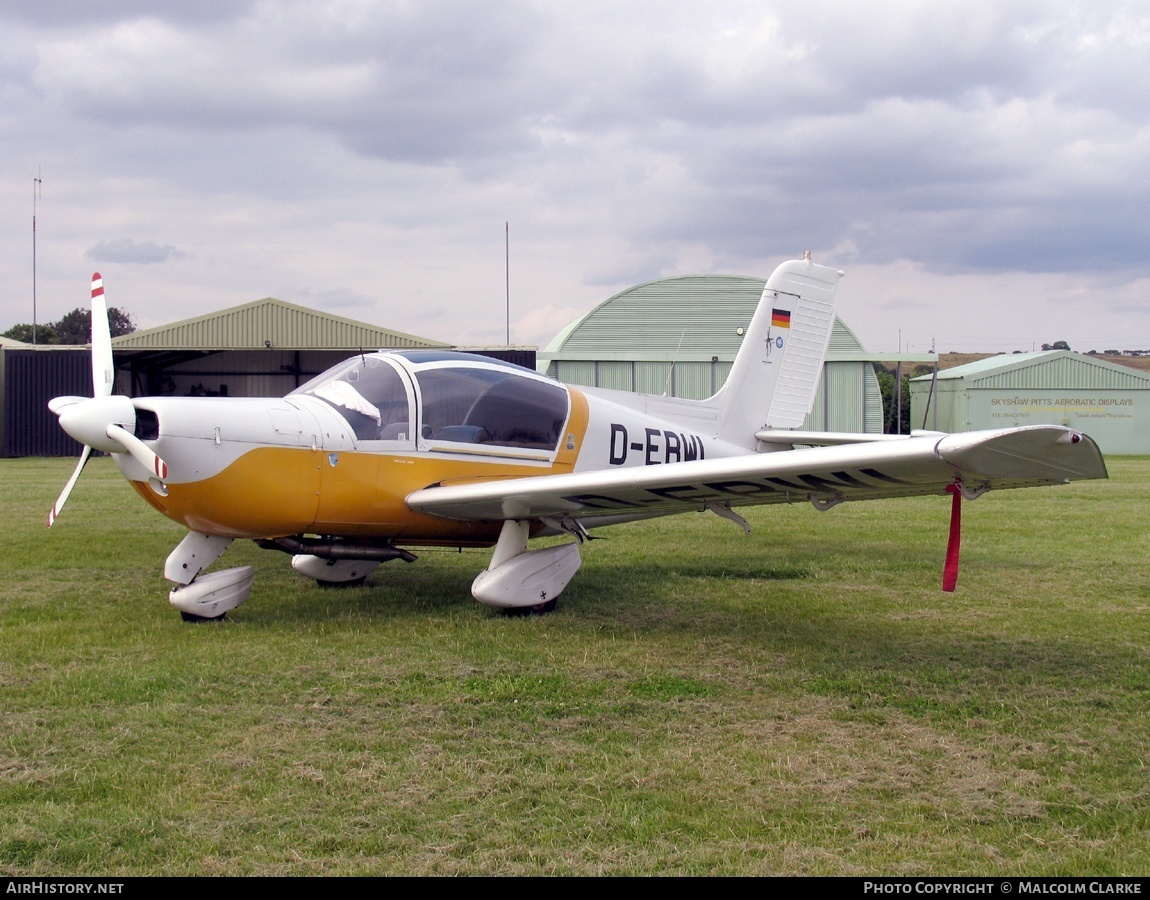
35 192
507 274
898 397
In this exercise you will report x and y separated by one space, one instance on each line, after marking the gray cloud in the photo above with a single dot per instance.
374 149
124 250
85 13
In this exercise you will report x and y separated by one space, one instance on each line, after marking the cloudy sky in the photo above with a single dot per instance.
981 170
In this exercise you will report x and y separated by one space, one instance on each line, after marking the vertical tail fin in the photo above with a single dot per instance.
776 372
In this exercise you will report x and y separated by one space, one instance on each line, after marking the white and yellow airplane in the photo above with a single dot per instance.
397 450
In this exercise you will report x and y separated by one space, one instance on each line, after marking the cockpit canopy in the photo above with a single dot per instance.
431 398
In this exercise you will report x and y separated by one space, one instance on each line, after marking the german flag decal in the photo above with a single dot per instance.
780 318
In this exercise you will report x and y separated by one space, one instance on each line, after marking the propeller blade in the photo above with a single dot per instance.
98 421
103 372
63 498
140 451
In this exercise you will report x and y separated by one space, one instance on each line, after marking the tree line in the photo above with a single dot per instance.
73 328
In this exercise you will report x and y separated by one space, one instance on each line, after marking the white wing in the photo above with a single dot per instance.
925 464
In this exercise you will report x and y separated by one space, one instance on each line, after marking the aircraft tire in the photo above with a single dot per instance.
197 620
539 609
333 585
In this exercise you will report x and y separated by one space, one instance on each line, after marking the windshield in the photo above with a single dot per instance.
369 393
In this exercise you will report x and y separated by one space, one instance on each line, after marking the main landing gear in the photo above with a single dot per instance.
199 597
521 581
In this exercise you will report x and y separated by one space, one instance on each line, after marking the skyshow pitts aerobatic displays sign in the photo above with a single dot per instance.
1112 418
1040 408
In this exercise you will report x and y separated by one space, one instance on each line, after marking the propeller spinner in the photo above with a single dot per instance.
104 421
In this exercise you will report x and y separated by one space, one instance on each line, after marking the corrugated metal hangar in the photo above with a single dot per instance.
675 336
1053 387
260 349
679 336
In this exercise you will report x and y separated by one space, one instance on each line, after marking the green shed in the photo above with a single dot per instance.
1053 387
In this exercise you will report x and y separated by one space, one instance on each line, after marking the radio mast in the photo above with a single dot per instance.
36 182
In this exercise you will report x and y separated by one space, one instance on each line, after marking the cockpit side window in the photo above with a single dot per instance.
491 406
521 412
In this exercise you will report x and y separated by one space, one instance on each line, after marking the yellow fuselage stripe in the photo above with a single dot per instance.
278 491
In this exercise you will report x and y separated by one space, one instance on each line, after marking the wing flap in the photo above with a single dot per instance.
1017 457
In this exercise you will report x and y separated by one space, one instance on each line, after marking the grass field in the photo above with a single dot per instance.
802 701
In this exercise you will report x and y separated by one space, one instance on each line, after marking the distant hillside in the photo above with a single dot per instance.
1134 362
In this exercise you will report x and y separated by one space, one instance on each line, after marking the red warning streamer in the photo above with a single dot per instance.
950 570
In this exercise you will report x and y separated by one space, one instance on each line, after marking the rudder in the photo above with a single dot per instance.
776 373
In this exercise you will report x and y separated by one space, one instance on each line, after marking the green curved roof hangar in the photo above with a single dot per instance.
679 336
